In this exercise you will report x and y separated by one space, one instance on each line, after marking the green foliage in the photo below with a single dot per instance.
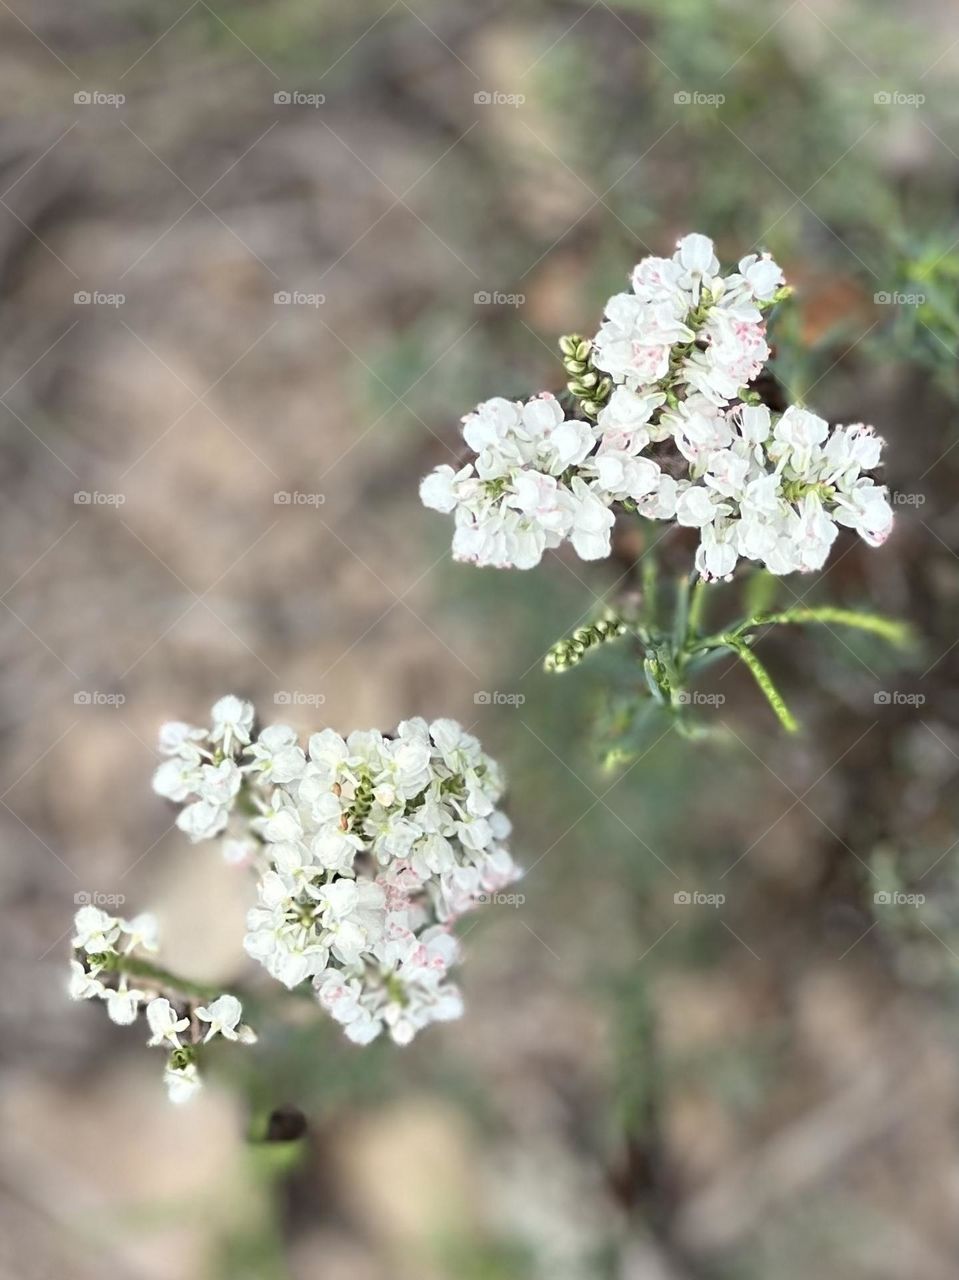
486 1260
922 306
610 626
587 384
671 656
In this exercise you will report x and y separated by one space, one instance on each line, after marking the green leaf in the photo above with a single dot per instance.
765 682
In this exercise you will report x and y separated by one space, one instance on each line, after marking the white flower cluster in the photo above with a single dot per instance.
775 491
681 438
202 767
525 491
104 948
367 849
685 326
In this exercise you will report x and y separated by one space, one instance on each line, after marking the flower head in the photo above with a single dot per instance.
123 1004
182 1082
164 1023
223 1015
83 985
96 932
678 436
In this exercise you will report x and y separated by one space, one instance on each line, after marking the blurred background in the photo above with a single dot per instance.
257 260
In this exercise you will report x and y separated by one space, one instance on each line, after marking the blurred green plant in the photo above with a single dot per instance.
923 307
675 648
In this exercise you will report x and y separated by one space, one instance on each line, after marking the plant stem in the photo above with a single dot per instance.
696 607
136 967
895 632
650 579
764 680
681 614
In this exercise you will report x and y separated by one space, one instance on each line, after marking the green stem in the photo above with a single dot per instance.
137 967
697 605
764 680
895 632
649 573
681 613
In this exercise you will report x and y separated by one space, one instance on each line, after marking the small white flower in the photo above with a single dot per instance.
696 507
592 523
163 1022
438 490
238 851
232 722
177 779
96 931
696 255
178 738
762 275
223 1015
796 433
123 1003
182 1083
277 754
142 931
202 820
83 985
220 783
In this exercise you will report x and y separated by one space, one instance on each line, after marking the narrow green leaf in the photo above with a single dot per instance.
765 682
